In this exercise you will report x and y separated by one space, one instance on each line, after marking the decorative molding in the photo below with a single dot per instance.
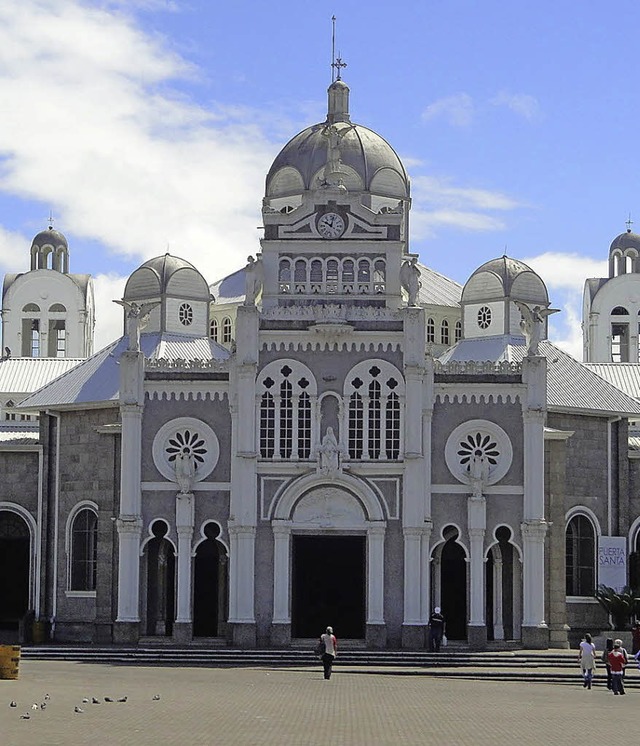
461 489
318 345
393 511
332 312
172 487
182 364
473 367
488 394
181 391
478 438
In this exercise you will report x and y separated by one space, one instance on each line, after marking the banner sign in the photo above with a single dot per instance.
612 562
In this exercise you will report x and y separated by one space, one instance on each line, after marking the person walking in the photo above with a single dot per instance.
330 651
617 663
635 638
587 658
608 647
436 630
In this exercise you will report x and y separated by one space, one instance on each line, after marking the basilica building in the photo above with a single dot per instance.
341 436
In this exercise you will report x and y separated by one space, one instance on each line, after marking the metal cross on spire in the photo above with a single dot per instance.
337 63
629 223
51 219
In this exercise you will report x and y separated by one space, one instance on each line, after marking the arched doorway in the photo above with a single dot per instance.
501 598
453 585
210 586
14 569
160 582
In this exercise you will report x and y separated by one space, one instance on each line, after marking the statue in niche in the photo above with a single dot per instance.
532 324
333 167
479 475
329 453
410 279
185 469
137 318
254 278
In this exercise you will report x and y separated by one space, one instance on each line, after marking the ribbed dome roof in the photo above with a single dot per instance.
368 162
505 278
50 237
166 275
626 240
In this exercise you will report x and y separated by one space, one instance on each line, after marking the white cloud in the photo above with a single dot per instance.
91 126
566 270
523 104
109 316
565 329
12 255
457 110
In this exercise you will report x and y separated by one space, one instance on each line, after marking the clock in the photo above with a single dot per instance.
331 225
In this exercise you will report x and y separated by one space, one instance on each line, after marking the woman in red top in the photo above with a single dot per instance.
617 663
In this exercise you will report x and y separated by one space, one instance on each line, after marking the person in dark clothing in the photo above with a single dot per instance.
635 638
330 651
608 647
436 630
617 663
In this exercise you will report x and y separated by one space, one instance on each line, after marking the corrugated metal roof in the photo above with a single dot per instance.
626 376
438 290
571 385
97 379
19 435
230 289
21 375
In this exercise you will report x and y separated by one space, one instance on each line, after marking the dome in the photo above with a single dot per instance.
626 240
166 275
366 160
505 278
50 237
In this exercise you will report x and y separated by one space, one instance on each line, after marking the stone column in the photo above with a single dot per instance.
241 575
183 628
535 633
376 627
281 623
129 523
498 627
476 521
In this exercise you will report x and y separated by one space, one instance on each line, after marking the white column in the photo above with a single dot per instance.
375 574
129 532
476 578
242 573
413 570
425 570
184 527
437 579
533 534
281 546
498 627
517 598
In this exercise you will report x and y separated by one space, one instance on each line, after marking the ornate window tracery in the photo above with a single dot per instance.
332 276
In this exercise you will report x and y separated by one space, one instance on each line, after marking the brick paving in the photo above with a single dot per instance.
295 706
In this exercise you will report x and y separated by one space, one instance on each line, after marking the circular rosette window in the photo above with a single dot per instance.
190 437
478 441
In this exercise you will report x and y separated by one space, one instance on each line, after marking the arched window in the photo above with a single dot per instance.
348 276
332 276
226 331
31 308
431 331
444 332
84 551
619 343
300 276
379 276
619 311
213 329
457 335
284 275
581 557
373 390
287 394
57 308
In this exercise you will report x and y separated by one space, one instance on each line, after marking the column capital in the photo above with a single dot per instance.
534 530
416 531
240 530
129 524
476 533
379 528
280 527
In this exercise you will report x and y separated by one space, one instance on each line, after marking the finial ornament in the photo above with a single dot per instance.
337 63
629 223
51 220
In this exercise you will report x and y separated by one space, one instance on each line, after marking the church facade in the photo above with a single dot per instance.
342 437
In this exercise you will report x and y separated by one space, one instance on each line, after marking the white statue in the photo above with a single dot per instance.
410 279
329 453
185 468
532 324
479 475
137 319
253 276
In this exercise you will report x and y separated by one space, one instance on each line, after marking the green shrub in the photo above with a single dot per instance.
622 606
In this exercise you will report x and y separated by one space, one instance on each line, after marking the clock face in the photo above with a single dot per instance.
330 225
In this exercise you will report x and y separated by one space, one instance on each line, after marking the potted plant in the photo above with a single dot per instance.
620 605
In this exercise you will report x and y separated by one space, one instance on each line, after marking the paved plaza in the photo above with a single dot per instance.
281 706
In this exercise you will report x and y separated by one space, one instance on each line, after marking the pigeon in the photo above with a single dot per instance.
26 716
122 699
13 704
47 696
78 709
85 700
156 697
108 699
95 701
34 706
43 705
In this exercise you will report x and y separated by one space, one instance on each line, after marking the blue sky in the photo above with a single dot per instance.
146 126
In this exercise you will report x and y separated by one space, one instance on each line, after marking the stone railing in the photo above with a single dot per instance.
182 364
472 367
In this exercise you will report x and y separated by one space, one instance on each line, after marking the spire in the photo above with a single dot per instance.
338 109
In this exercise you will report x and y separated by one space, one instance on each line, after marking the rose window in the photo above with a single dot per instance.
185 313
483 446
482 440
188 436
188 442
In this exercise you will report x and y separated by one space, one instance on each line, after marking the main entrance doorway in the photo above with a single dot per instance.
210 586
14 569
454 589
328 586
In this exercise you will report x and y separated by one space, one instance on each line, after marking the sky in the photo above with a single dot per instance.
148 126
